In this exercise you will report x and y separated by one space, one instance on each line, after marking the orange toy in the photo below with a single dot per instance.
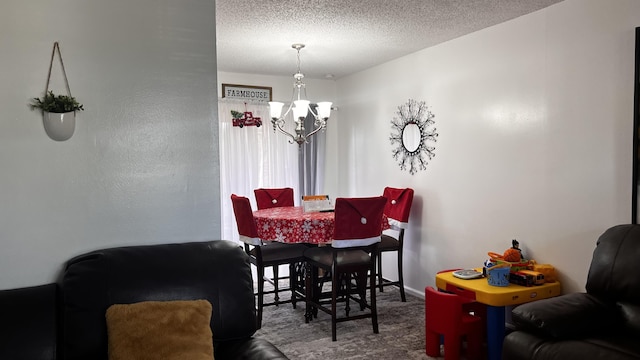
511 255
515 266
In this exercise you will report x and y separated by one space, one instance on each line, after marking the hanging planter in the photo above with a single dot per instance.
59 126
59 114
58 111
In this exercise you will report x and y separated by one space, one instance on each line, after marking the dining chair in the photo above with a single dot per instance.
267 198
445 315
351 256
397 210
265 254
275 197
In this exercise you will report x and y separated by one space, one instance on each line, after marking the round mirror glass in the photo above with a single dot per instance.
411 137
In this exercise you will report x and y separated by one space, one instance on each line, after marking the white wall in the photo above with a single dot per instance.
535 120
142 166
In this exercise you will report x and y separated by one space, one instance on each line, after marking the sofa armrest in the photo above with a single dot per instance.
567 316
249 348
28 323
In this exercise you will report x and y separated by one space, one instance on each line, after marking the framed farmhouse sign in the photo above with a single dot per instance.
246 92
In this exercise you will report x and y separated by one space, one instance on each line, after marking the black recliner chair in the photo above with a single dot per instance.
603 323
67 320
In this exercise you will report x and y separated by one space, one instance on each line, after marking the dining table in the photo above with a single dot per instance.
291 224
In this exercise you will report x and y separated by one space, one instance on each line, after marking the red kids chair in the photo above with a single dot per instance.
397 211
269 198
445 315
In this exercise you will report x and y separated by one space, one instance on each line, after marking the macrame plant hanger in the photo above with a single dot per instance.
64 73
59 126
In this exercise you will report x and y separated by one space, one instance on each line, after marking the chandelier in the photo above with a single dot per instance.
300 108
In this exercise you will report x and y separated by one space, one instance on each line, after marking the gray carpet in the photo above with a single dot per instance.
401 331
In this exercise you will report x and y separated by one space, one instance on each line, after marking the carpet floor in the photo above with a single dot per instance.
400 337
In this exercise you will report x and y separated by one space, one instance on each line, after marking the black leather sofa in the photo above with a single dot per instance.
603 323
66 320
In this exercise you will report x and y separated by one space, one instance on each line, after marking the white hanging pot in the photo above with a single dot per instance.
59 126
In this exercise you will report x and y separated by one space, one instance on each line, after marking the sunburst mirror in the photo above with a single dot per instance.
410 131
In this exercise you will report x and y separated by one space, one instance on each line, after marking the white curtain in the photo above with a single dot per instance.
252 157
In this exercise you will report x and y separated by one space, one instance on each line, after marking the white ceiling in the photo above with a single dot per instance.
345 37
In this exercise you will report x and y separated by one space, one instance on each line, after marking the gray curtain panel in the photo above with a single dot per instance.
311 159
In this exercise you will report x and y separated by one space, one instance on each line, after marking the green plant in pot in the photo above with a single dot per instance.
59 114
56 103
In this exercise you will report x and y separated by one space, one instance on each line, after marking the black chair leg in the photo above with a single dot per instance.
346 281
361 284
380 280
293 283
260 296
401 277
276 298
335 284
310 291
374 308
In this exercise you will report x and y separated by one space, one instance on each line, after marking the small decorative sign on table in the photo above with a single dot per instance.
320 203
246 92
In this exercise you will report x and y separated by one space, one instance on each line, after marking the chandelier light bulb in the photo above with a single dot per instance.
324 109
300 109
275 109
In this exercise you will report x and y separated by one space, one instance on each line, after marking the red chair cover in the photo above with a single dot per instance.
269 198
358 221
398 205
244 220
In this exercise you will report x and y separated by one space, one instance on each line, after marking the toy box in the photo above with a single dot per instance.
526 278
547 269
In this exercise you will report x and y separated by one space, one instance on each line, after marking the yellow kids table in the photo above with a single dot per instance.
496 298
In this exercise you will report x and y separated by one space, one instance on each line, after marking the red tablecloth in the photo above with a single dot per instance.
292 225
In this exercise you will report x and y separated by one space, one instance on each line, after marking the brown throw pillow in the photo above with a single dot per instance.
152 330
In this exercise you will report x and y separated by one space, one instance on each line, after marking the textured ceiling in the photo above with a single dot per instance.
345 37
